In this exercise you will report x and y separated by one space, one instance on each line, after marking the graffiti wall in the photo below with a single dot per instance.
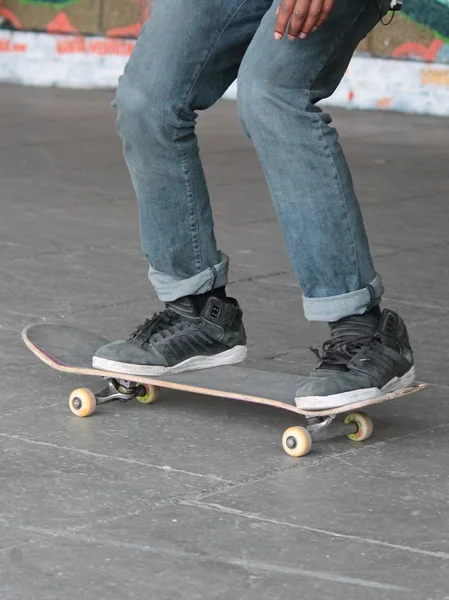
86 44
108 17
420 32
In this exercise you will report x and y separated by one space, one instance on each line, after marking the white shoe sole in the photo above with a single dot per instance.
196 363
353 396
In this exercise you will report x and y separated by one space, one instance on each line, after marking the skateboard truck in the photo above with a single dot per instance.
326 428
83 402
297 441
119 390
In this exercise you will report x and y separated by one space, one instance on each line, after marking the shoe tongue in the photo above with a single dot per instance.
185 307
355 326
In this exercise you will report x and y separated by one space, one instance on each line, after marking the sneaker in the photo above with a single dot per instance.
367 356
181 338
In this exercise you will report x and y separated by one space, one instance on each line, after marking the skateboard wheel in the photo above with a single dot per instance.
297 441
152 394
82 402
364 424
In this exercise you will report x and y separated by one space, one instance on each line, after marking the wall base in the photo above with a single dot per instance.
77 61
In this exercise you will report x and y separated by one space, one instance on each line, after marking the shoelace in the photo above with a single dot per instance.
339 350
163 323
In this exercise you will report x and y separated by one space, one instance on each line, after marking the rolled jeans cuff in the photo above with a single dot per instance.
171 287
333 308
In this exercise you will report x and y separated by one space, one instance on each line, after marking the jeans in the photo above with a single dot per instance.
187 55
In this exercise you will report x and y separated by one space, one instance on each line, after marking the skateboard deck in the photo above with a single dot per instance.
70 350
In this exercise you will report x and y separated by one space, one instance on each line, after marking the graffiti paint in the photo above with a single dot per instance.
134 29
131 31
58 3
61 24
433 15
99 46
432 76
8 19
415 49
8 46
421 33
58 24
57 16
78 61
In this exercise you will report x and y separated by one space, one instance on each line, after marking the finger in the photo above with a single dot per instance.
313 17
299 16
283 14
325 12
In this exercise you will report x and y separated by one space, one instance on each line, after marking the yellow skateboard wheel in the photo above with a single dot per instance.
364 424
82 402
297 441
152 394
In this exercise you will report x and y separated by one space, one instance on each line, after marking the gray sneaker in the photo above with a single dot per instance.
367 356
180 339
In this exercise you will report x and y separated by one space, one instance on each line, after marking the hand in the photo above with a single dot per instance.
304 17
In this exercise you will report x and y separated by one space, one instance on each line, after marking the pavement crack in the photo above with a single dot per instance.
399 251
16 546
246 564
103 306
418 304
130 461
311 462
334 534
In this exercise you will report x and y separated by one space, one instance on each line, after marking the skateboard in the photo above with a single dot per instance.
70 350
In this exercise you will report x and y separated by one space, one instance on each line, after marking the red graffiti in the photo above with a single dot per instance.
8 46
133 30
86 45
384 102
7 14
128 31
412 49
61 24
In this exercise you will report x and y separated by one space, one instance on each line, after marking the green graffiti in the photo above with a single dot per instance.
433 14
54 3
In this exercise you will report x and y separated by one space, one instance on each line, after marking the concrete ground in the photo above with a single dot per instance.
193 498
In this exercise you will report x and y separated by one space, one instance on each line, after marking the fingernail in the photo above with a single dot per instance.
277 12
303 36
277 36
291 37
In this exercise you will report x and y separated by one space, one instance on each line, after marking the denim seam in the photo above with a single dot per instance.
372 295
214 277
192 211
343 195
190 196
335 175
208 53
